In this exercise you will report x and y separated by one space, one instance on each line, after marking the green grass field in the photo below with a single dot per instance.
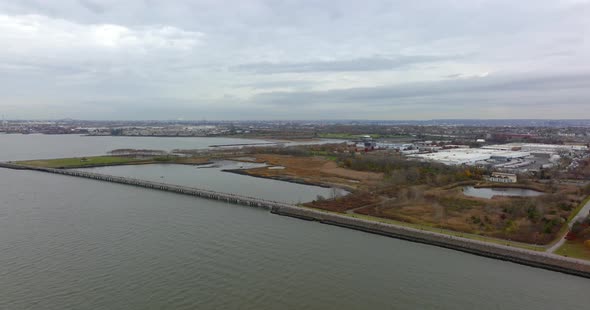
351 136
80 161
575 249
338 136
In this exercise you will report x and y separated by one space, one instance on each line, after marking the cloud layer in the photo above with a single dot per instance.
349 65
294 59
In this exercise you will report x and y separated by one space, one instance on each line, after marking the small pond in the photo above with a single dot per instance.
489 192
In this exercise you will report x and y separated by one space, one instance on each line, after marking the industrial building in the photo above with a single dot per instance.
510 157
537 147
503 177
366 144
471 156
396 146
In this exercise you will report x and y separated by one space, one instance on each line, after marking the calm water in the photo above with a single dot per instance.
213 178
15 147
485 192
70 243
37 146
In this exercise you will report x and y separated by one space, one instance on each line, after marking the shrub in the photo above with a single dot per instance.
532 213
565 206
548 228
571 236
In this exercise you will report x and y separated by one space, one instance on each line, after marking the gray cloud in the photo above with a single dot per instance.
476 88
294 59
298 84
358 64
92 6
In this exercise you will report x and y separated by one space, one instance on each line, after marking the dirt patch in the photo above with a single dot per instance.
313 170
193 160
332 168
343 204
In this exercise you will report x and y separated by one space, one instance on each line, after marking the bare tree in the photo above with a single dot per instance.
334 193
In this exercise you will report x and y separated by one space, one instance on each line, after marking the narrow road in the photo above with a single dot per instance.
582 214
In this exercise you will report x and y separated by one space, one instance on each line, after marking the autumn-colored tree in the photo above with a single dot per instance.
468 173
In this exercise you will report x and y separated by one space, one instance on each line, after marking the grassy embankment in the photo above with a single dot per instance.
79 162
453 233
97 161
577 209
439 230
571 217
575 249
345 136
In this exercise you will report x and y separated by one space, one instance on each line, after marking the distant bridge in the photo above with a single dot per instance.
231 198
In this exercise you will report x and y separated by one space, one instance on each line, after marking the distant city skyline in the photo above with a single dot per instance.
281 60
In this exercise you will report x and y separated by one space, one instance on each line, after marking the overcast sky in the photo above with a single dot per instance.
325 59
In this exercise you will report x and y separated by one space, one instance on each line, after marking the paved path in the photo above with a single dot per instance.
582 214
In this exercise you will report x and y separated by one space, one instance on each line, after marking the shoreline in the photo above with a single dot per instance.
288 179
244 144
127 159
277 178
531 258
513 185
138 164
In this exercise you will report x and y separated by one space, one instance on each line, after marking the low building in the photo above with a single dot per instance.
537 147
395 146
469 156
366 144
501 177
